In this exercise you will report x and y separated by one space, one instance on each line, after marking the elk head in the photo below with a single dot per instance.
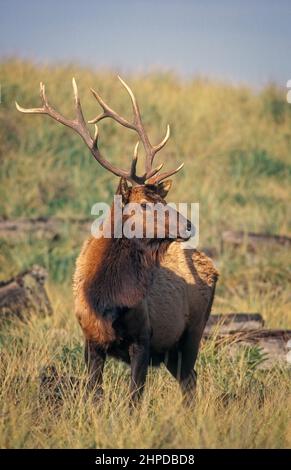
146 189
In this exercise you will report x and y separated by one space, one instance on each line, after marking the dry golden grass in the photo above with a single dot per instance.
237 405
236 145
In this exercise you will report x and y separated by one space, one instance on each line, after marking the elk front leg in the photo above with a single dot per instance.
139 359
95 360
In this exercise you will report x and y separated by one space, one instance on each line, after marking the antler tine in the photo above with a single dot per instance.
79 112
78 124
96 136
159 147
135 155
134 160
35 110
162 176
138 126
134 177
154 171
43 95
136 111
108 112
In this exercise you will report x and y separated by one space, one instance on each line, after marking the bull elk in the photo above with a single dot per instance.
141 300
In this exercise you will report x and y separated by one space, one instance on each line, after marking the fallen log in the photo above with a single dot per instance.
253 241
273 345
47 228
231 322
24 294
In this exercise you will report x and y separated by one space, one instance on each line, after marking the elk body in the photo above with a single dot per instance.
142 300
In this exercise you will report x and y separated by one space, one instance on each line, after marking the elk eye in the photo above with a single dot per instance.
143 205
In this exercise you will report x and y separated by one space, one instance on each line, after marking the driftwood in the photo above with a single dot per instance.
231 322
241 331
24 294
47 228
273 346
253 241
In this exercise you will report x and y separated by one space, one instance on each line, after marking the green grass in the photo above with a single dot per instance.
236 145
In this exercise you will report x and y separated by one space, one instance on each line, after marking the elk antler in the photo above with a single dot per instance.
150 174
79 125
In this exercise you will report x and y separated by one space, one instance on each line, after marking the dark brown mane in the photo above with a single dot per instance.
125 275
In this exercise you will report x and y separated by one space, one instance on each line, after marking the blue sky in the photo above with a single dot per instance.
238 41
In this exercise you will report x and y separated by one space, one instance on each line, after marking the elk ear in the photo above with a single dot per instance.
123 190
164 187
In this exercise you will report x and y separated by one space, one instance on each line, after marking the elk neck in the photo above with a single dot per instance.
121 272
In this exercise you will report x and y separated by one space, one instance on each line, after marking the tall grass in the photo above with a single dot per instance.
236 145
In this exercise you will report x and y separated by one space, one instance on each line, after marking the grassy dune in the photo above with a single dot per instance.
236 145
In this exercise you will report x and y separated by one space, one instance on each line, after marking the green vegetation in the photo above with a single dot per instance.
236 145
